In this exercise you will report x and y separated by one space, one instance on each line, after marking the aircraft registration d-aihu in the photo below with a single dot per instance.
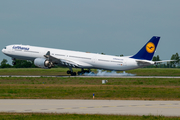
48 57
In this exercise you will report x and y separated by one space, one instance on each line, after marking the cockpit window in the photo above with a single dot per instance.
4 47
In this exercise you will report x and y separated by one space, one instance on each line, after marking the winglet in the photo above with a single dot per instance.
147 52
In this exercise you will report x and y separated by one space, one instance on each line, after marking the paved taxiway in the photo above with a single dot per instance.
94 76
120 107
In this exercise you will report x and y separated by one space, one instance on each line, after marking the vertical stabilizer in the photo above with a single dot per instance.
147 52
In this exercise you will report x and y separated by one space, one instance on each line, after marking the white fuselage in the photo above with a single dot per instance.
86 60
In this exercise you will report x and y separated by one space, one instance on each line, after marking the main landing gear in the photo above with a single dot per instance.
83 71
79 72
71 72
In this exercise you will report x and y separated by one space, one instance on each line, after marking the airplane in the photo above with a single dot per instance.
48 57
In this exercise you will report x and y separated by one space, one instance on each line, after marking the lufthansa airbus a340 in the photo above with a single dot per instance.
48 57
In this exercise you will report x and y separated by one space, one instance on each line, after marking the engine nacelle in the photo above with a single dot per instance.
42 63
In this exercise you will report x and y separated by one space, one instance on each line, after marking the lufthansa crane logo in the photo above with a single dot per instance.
150 47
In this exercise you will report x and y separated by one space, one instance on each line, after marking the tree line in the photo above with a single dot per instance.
30 64
172 64
19 64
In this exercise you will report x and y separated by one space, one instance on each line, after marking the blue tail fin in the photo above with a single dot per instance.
147 52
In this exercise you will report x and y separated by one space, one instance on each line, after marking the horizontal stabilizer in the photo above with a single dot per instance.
164 61
144 62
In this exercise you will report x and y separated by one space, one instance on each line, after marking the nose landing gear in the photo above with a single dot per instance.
14 61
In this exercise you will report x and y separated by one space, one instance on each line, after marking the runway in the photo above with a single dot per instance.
116 107
93 76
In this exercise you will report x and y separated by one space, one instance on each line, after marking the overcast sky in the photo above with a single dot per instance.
113 27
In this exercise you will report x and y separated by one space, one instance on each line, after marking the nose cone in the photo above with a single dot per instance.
3 50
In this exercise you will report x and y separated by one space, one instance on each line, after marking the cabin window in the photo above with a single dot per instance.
103 60
80 57
59 55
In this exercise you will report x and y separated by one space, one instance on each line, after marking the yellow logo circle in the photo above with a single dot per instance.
150 47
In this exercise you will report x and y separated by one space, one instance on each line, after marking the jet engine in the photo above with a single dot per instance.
43 63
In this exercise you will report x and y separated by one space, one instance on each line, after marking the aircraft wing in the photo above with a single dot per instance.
67 62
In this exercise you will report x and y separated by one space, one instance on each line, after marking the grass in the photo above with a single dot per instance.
62 71
86 92
33 71
39 116
91 81
156 71
83 88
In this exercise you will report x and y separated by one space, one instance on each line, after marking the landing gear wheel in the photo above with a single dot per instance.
83 71
73 74
68 72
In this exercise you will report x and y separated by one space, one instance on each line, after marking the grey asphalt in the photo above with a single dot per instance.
117 107
94 76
